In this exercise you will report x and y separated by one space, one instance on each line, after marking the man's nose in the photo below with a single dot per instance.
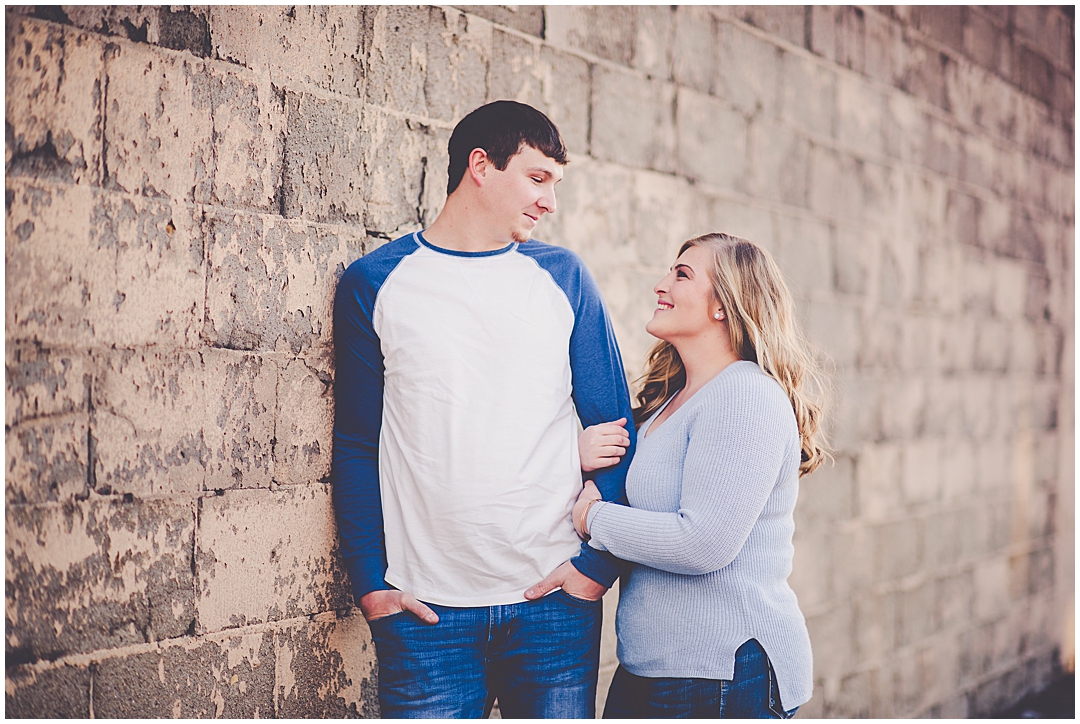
547 202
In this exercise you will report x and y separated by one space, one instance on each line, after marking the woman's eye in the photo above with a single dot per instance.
681 275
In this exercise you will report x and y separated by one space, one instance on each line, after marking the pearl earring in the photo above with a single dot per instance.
716 316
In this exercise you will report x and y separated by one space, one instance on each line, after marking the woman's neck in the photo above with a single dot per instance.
703 360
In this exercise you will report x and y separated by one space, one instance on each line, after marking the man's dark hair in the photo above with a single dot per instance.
500 128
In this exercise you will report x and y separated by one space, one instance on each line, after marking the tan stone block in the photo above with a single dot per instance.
554 82
633 120
605 31
266 556
231 677
62 692
159 129
148 415
305 421
276 293
665 211
878 476
777 165
835 329
957 469
747 71
811 569
920 479
827 496
752 223
808 97
860 115
804 250
852 557
319 46
53 101
856 259
43 382
789 22
832 637
835 185
882 341
654 36
238 427
903 403
854 415
875 624
939 267
529 19
97 574
326 668
898 549
992 345
852 700
47 459
991 580
594 214
430 62
694 48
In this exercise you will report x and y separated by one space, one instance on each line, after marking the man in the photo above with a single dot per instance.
463 352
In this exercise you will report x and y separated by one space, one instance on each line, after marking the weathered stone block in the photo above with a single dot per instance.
920 479
834 641
427 61
230 677
712 141
238 425
159 125
827 496
42 382
856 259
604 31
305 421
97 574
874 622
633 120
835 185
595 213
654 34
396 155
54 693
266 556
553 82
326 668
860 116
271 282
665 212
811 570
804 254
323 173
754 93
528 19
47 459
898 549
808 94
319 46
54 95
744 220
789 22
149 408
693 50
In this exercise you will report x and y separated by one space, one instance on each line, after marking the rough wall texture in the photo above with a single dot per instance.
184 185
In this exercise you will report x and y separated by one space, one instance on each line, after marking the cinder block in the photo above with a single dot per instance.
43 382
278 292
633 120
747 71
249 139
238 425
528 19
882 341
431 62
47 459
852 557
898 549
53 693
778 163
854 418
97 574
54 94
224 677
267 556
158 123
693 51
811 569
852 699
804 249
991 588
323 175
808 95
147 426
907 686
305 421
552 81
395 156
712 141
992 345
875 617
954 601
976 651
326 668
957 463
604 31
654 35
832 637
921 465
319 46
827 496
914 614
878 476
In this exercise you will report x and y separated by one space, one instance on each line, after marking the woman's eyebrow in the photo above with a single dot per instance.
686 267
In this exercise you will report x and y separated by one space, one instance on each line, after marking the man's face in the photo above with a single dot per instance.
518 196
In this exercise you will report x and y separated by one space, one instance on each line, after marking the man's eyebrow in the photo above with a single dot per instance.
538 171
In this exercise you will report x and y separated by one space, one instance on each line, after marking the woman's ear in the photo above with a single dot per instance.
719 315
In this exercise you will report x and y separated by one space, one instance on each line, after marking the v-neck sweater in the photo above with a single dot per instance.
712 492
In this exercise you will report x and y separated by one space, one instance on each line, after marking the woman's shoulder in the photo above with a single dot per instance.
743 387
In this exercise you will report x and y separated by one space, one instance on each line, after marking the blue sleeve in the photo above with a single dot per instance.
599 385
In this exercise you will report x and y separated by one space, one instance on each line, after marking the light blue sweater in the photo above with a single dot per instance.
712 494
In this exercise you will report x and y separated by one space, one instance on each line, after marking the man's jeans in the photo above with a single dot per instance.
752 693
540 658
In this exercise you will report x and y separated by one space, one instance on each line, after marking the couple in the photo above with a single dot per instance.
466 355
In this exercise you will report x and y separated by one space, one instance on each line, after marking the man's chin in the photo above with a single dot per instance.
519 236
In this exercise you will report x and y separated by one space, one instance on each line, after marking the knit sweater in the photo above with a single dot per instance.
712 492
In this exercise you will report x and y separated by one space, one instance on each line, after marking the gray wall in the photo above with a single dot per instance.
185 184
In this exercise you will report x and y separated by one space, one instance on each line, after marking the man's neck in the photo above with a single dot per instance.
458 228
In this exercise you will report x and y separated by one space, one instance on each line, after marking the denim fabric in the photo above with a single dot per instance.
539 658
752 694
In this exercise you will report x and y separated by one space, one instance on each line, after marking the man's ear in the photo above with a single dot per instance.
479 163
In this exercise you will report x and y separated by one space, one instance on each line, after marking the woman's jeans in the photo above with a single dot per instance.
751 694
540 658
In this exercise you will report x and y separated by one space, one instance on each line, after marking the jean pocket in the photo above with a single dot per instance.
575 599
775 705
387 618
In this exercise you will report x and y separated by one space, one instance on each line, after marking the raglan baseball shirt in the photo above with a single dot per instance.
455 465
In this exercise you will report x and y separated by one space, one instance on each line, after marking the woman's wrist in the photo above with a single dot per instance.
582 523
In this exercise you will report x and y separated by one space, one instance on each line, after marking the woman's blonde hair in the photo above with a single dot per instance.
761 321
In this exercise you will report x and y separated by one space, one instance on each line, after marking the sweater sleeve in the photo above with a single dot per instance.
600 395
735 451
354 473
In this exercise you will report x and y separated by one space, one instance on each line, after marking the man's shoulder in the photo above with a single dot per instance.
373 267
550 253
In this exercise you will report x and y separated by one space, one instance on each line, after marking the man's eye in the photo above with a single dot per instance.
537 179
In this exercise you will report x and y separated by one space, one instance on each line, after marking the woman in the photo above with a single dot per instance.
707 623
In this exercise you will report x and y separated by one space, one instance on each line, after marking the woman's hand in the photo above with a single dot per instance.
588 493
601 446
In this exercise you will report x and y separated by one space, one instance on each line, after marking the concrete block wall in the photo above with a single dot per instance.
186 183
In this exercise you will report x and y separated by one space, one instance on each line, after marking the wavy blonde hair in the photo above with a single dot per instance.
761 321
